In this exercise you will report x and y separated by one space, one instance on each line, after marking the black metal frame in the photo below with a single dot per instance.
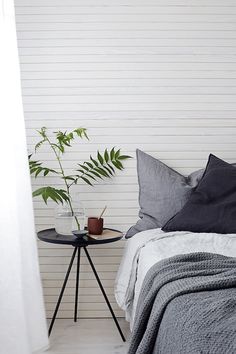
77 249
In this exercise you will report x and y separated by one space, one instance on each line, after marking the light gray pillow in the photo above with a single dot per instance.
162 192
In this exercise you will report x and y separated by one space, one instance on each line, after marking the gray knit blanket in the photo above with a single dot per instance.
187 305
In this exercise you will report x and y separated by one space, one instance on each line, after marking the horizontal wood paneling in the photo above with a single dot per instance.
159 75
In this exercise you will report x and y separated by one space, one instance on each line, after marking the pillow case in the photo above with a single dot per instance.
212 204
162 192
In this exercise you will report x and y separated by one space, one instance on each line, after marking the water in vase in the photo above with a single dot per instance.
65 222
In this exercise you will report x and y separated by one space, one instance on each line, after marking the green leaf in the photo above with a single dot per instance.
112 153
38 192
36 168
89 164
96 174
109 165
66 143
117 154
104 165
108 170
62 149
57 146
39 169
90 176
38 145
45 198
81 171
94 161
100 158
42 132
106 156
64 139
70 136
86 180
101 171
84 167
69 178
32 170
57 195
124 157
118 165
63 194
81 132
86 136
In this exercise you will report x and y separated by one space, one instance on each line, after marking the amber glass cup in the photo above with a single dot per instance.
95 226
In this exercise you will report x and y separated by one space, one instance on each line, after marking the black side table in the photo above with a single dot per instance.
51 236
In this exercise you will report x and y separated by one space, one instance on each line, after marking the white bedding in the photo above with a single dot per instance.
148 247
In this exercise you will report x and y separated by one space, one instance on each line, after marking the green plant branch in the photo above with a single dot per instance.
63 175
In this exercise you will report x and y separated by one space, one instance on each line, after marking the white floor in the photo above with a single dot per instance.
88 336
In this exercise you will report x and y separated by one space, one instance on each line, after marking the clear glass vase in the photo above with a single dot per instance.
66 221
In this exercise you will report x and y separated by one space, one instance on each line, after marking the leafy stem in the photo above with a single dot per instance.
104 165
65 181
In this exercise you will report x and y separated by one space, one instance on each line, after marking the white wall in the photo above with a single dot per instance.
159 75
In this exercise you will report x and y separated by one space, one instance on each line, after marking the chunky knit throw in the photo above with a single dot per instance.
187 306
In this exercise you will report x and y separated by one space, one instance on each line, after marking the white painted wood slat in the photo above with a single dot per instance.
159 75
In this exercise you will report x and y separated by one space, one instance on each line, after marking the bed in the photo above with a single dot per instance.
143 254
177 279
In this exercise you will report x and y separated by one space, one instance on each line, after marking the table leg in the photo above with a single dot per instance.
62 291
104 294
77 285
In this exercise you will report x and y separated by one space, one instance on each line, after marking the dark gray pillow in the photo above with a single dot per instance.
212 204
162 192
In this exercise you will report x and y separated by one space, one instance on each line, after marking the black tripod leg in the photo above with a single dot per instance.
62 291
77 285
104 294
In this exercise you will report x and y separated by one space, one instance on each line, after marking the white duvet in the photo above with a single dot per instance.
148 247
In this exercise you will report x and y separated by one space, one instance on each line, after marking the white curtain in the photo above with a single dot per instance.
22 315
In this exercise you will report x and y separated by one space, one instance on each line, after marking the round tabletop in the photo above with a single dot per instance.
51 236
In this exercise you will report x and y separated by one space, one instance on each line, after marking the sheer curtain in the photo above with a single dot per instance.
22 316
